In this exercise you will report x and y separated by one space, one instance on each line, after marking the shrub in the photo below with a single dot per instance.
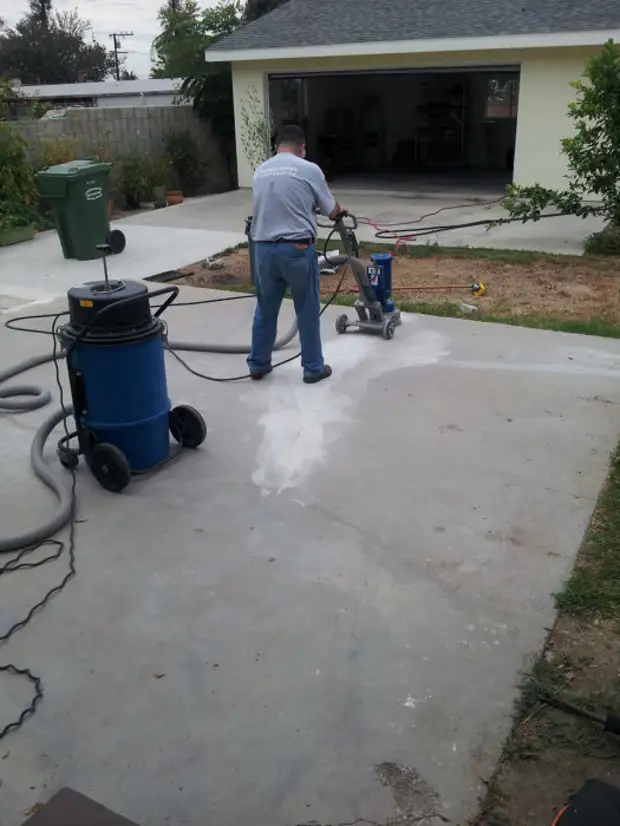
53 151
186 160
134 179
605 242
18 193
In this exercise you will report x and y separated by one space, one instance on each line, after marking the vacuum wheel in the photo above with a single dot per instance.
69 459
389 328
110 467
116 241
187 426
341 324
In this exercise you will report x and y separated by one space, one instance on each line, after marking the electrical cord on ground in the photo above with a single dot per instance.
224 380
18 564
406 234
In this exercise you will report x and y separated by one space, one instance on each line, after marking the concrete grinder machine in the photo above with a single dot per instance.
375 307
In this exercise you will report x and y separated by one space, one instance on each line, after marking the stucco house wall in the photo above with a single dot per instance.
545 93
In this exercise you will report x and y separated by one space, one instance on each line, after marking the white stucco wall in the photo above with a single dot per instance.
247 80
543 120
546 75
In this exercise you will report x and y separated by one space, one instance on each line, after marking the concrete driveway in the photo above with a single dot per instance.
178 236
322 614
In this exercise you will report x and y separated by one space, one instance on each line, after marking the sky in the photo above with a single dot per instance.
106 16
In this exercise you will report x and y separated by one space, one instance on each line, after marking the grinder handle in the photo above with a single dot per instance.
341 219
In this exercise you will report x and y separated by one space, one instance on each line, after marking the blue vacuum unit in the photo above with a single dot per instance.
115 358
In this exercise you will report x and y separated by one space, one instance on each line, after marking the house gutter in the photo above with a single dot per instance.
428 46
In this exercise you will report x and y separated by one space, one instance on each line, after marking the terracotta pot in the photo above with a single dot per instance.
174 197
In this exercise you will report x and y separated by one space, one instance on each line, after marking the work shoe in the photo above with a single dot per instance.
257 375
313 378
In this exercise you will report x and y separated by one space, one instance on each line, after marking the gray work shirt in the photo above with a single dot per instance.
287 192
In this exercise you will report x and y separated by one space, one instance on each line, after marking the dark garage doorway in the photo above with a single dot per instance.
377 128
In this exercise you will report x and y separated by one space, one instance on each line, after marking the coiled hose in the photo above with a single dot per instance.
27 397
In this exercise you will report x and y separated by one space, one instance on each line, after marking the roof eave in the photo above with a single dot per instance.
444 44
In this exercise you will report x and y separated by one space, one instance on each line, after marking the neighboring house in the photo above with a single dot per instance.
106 94
410 86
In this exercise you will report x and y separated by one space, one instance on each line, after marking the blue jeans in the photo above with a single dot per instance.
278 266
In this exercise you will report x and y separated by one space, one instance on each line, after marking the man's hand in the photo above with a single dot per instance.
338 213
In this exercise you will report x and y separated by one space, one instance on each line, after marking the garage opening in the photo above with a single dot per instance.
402 130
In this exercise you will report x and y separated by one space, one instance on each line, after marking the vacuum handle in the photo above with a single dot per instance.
172 290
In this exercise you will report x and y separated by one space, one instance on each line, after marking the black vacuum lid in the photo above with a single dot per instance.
132 312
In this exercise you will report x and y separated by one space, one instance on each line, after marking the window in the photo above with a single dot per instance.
502 98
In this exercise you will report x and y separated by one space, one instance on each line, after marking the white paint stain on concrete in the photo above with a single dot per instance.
413 702
298 420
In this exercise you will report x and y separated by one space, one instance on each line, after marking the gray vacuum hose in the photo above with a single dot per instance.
19 399
25 397
224 349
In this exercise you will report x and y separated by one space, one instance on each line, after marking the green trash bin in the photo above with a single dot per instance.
78 193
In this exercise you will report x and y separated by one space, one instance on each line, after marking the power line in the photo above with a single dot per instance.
116 37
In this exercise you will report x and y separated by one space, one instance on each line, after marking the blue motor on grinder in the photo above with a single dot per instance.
114 347
380 278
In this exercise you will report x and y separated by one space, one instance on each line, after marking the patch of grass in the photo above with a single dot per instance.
445 309
593 589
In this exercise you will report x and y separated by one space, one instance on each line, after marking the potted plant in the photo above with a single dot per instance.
161 177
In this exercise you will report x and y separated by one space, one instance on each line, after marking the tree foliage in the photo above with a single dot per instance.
593 151
257 8
47 46
179 51
41 11
18 193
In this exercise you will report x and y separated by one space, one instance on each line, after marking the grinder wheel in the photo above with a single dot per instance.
187 426
110 467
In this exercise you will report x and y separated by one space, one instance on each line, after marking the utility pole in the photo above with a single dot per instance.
116 38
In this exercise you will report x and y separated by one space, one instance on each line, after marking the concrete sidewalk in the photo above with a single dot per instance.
227 213
323 613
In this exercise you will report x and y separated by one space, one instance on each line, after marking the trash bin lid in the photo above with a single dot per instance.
74 169
52 182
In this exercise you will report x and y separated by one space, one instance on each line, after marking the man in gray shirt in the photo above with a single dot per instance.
288 192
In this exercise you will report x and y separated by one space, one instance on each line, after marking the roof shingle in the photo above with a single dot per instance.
330 22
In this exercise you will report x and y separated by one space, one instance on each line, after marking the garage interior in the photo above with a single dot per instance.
405 129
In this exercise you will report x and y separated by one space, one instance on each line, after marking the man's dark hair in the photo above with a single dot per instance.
291 134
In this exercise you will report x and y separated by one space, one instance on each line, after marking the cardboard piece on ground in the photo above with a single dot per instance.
70 808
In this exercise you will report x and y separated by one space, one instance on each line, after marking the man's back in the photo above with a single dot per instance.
287 192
